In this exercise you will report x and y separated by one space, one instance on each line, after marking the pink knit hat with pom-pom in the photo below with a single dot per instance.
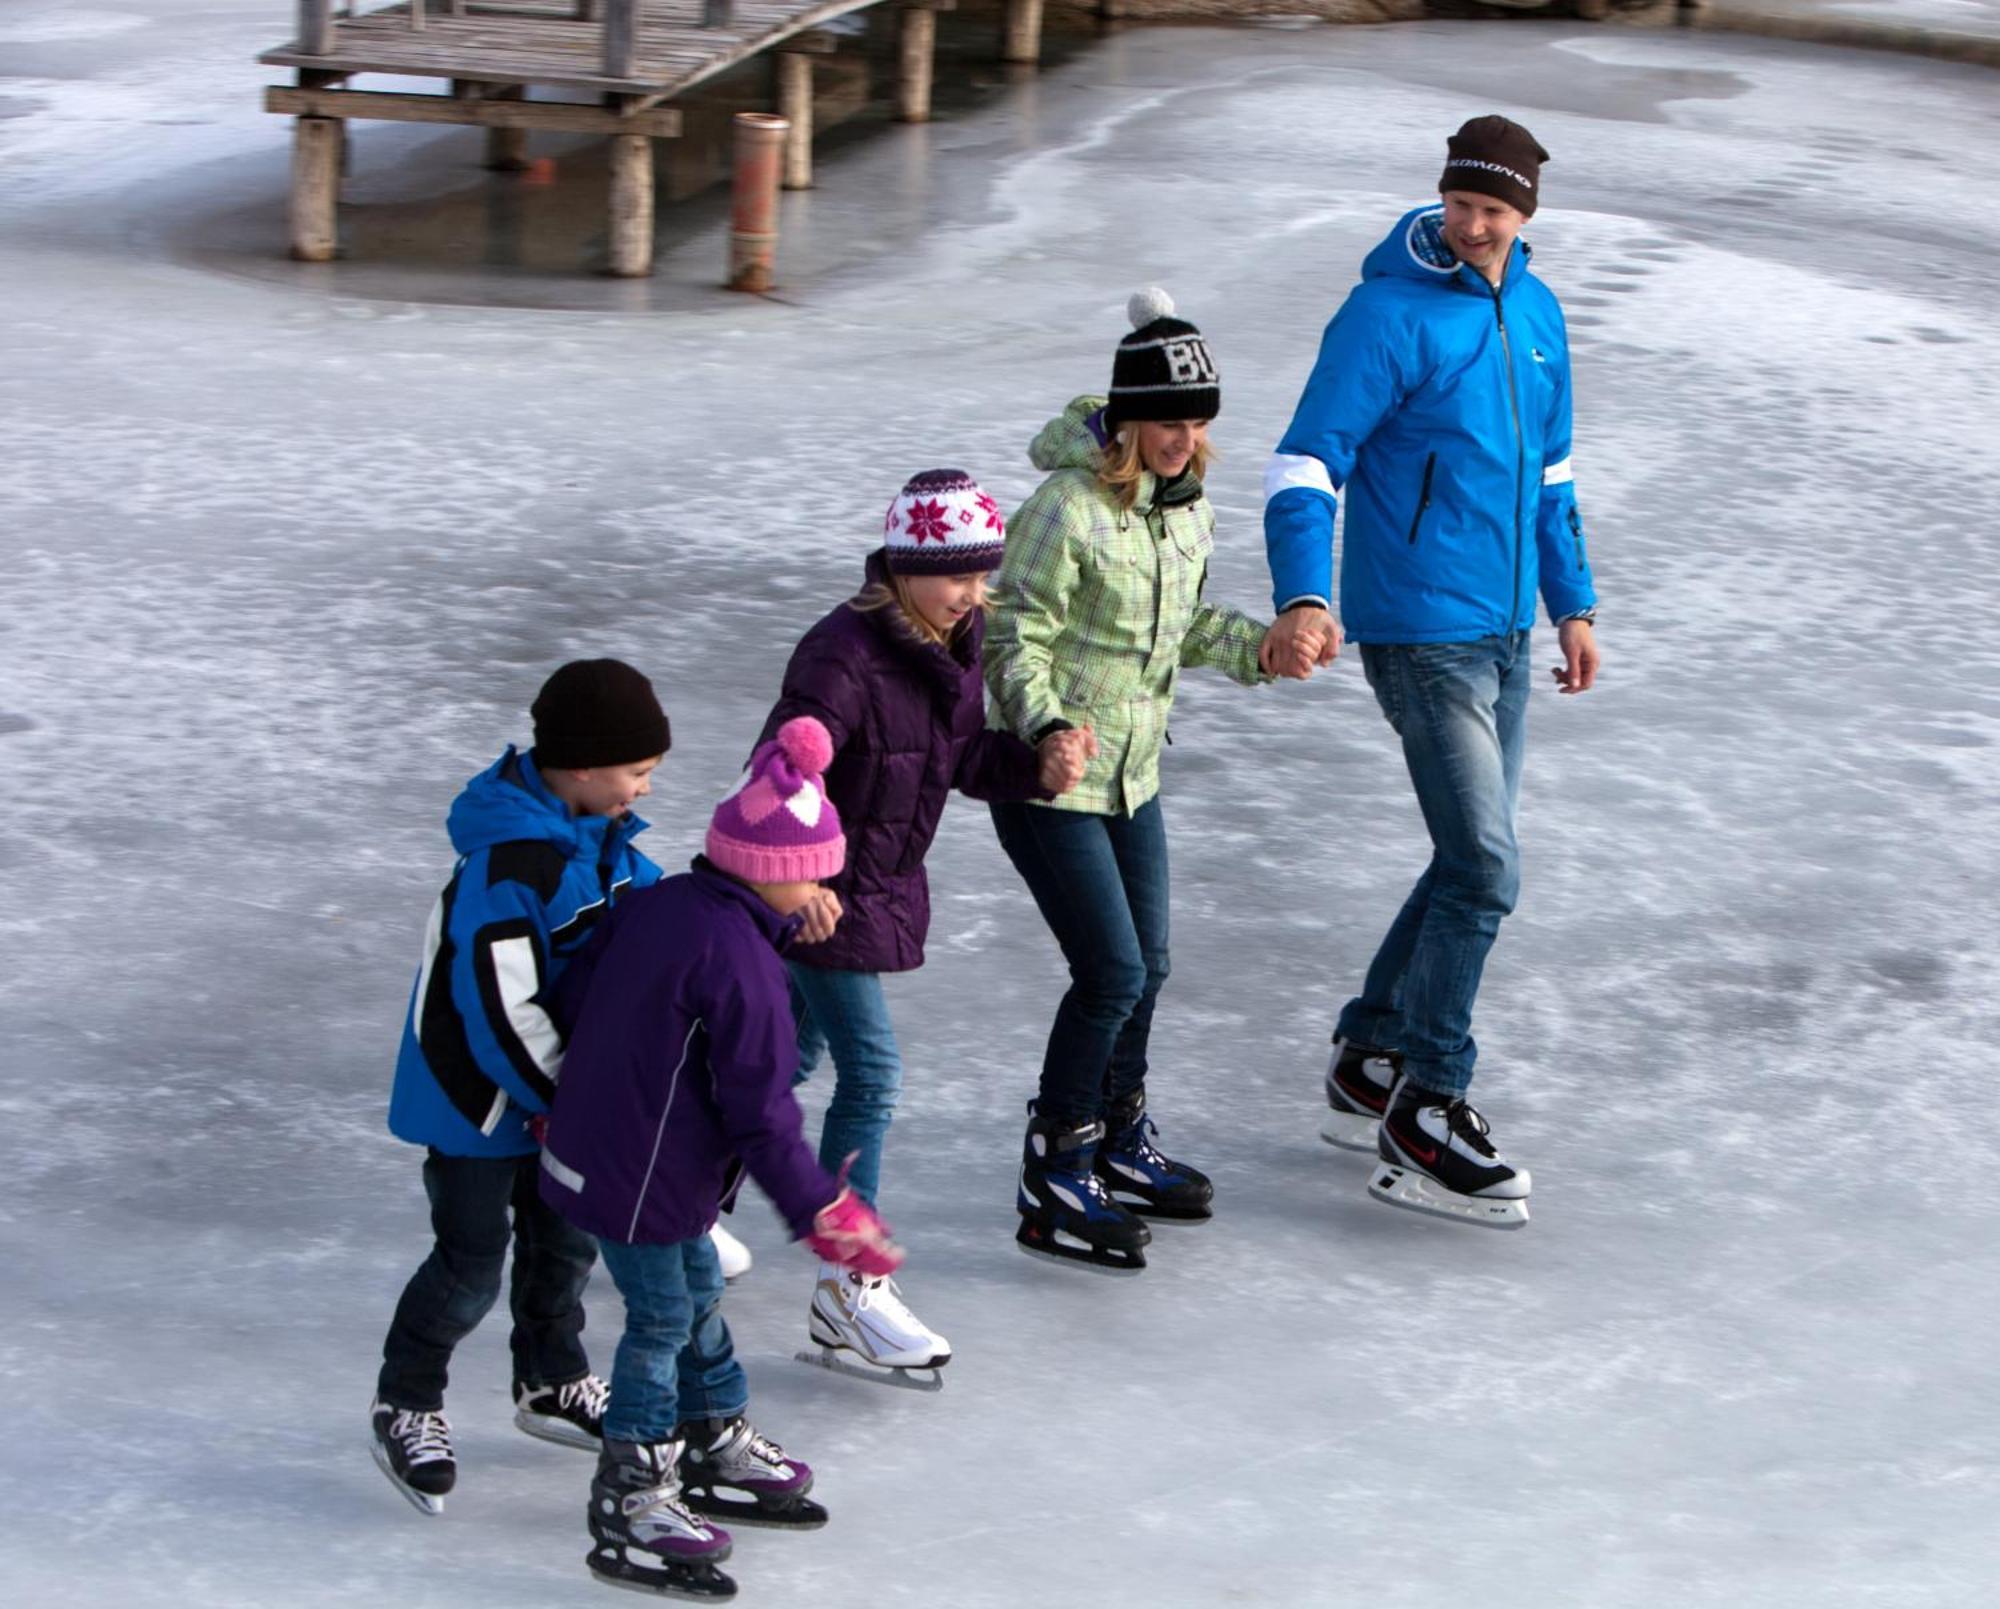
778 825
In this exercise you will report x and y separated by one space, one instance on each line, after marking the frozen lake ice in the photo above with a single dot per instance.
287 552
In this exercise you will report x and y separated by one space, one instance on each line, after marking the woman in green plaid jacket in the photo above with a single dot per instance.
1097 607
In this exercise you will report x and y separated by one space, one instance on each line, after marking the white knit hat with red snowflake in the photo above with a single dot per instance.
942 524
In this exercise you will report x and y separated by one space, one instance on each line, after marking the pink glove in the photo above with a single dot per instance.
846 1231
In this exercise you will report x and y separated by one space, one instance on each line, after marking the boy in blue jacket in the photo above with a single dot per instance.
544 841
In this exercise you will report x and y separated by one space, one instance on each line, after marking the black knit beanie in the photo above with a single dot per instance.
1162 370
1496 158
597 712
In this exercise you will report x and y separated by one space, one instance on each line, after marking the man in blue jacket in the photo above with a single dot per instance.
544 841
1440 409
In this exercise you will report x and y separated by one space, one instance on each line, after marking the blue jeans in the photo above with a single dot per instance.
846 1015
478 1205
1101 885
1459 709
676 1360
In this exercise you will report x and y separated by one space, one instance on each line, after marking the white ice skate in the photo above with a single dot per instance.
730 1252
1436 1158
863 1328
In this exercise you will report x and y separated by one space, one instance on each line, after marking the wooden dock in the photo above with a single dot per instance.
612 65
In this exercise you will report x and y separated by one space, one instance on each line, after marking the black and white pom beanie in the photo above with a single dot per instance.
1162 370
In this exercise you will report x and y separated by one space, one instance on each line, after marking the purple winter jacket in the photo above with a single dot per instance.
908 719
678 1072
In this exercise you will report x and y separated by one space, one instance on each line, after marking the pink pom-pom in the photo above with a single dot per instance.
807 744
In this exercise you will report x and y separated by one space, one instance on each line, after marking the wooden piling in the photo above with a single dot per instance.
795 106
631 231
753 225
620 37
916 51
1023 34
507 148
316 27
316 153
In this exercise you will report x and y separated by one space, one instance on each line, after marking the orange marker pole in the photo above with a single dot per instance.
753 226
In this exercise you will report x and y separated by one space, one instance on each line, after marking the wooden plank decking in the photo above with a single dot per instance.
540 44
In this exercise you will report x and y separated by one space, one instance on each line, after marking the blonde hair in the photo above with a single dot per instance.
895 594
1119 465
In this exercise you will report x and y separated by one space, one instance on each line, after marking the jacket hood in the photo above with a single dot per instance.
1416 249
1075 437
508 802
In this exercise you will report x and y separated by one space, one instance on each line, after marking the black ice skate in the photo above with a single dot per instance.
414 1451
1066 1213
1436 1158
644 1536
730 1471
570 1415
1139 1176
1358 1081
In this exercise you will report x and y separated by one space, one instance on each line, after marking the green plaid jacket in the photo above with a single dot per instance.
1095 611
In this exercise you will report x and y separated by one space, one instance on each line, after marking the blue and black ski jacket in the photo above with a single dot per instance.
480 1050
1440 408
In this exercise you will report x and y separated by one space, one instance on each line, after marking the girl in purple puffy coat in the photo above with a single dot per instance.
894 673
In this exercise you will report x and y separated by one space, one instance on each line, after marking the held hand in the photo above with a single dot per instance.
1301 639
1064 757
847 1232
1578 671
819 918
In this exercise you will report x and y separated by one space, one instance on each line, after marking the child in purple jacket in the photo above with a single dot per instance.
678 1079
894 673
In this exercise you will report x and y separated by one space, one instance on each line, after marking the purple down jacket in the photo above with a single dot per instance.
678 1074
908 721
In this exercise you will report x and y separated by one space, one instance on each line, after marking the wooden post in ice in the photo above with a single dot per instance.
795 106
916 46
316 154
1023 42
753 224
631 243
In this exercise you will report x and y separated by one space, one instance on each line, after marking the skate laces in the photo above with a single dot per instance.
590 1394
882 1295
425 1437
1470 1127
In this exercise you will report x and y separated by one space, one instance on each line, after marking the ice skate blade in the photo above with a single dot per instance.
909 1377
1351 1131
802 1514
423 1502
1060 1248
1164 1215
1402 1187
560 1431
613 1565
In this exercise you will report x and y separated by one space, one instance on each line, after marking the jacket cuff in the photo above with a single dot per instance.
1304 598
1047 728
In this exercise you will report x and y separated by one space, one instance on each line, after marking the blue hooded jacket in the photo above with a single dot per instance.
481 1051
1440 407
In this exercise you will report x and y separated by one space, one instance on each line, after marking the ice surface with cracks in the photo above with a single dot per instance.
284 561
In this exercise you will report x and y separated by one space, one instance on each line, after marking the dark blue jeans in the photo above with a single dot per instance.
1460 710
1101 885
471 1199
676 1360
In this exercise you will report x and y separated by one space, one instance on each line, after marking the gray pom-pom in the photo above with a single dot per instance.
1147 305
